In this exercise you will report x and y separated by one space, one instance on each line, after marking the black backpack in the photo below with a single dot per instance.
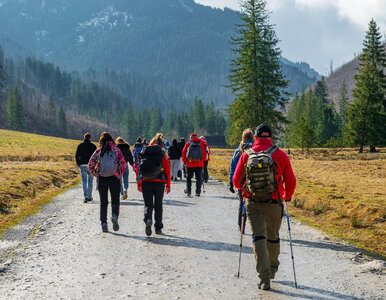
150 162
194 152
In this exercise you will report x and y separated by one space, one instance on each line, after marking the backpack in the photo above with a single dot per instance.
245 147
108 165
260 174
137 149
150 162
194 152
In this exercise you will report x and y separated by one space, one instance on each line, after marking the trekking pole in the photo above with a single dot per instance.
292 253
242 228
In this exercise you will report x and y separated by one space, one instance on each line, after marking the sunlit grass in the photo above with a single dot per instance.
344 192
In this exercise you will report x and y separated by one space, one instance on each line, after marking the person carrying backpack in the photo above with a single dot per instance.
247 140
82 156
265 175
193 156
137 149
153 172
206 159
174 153
107 164
126 152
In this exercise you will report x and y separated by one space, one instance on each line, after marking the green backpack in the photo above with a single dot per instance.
260 174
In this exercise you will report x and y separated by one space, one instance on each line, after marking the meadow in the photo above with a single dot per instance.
339 191
33 169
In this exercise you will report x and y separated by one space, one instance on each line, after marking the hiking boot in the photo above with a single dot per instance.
186 191
85 200
158 231
104 227
124 197
114 220
148 227
264 284
89 199
197 195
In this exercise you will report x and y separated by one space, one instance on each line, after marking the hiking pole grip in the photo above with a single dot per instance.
289 233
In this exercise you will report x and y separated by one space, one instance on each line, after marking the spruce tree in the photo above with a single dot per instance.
198 115
366 116
52 116
62 122
303 134
255 76
343 101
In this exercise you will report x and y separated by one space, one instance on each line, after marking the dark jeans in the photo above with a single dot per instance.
242 209
206 175
153 194
106 183
198 175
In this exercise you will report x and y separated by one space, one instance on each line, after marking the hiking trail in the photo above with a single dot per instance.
61 253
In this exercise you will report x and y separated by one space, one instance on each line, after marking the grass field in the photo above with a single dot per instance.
33 169
342 193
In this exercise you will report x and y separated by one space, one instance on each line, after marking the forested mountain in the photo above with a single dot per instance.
178 47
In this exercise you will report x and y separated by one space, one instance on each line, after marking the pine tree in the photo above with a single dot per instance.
15 114
366 116
52 115
198 115
303 135
2 72
62 122
256 79
211 119
343 101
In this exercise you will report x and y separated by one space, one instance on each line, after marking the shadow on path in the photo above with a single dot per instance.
176 241
316 292
324 245
178 203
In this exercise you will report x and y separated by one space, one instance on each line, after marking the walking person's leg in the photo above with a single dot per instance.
83 174
198 174
190 172
114 185
125 177
148 194
103 192
90 180
273 224
206 175
158 208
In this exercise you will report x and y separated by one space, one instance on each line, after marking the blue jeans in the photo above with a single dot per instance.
125 178
87 180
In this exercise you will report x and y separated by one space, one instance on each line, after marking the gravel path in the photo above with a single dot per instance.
61 253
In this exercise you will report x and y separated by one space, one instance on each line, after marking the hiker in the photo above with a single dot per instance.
174 153
82 156
182 168
145 142
137 149
126 152
193 155
247 140
206 159
154 174
107 164
265 207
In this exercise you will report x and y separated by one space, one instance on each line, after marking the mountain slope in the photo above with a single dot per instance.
173 43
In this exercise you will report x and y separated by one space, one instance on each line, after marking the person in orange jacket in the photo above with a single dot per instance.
153 189
193 156
206 159
265 216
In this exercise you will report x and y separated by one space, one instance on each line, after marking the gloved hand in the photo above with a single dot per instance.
231 188
167 190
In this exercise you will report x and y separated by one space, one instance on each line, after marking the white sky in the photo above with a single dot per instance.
318 31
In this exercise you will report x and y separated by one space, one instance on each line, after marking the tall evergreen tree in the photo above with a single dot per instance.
366 117
198 115
52 115
62 122
343 101
2 72
255 76
15 114
303 135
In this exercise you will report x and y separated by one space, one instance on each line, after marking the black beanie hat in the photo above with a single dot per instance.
263 128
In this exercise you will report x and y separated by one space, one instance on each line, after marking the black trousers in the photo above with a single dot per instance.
198 174
206 175
104 184
153 194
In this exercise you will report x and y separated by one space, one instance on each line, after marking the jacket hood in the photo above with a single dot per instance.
196 140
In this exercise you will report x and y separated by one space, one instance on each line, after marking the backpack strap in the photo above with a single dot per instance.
271 150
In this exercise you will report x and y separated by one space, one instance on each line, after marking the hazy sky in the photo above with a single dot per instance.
318 31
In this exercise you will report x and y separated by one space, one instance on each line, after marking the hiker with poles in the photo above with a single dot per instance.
126 152
247 140
206 159
82 156
193 155
153 172
107 164
265 175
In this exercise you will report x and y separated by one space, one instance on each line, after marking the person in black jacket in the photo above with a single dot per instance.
174 153
125 149
182 166
83 153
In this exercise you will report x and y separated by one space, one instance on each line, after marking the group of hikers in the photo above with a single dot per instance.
261 173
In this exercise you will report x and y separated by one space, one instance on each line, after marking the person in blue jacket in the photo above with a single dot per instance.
247 140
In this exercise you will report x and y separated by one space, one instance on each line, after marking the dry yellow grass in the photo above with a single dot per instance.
343 193
33 168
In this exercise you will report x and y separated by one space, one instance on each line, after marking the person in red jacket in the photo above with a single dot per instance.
206 158
153 189
193 156
265 216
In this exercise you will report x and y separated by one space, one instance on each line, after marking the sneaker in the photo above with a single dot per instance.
158 231
124 195
104 227
264 284
197 195
85 200
186 191
89 199
148 227
114 220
